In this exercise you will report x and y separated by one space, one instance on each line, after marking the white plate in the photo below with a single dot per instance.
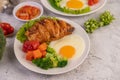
72 64
94 8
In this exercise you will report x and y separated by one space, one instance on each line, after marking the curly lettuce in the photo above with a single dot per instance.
21 33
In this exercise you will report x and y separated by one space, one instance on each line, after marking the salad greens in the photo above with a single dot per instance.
21 33
56 4
92 24
51 60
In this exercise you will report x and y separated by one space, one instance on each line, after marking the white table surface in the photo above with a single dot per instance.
102 63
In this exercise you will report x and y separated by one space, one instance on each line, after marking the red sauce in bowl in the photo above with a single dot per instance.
28 12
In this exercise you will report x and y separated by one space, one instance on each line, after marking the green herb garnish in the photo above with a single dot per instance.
92 24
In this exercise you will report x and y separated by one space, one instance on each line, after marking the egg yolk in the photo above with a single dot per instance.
76 4
67 51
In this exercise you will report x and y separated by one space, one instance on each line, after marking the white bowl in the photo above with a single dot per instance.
31 3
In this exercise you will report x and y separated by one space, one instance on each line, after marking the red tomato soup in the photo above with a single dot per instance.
28 12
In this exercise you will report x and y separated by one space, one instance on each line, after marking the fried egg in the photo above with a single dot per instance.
74 4
71 46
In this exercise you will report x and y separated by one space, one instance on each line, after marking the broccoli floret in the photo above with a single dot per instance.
50 50
62 62
37 61
44 63
54 60
51 60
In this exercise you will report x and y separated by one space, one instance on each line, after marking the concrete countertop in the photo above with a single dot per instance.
102 63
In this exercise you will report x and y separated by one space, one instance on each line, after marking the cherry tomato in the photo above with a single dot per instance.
11 30
90 2
5 25
30 45
4 31
7 28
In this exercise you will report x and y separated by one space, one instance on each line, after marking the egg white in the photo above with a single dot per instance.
72 40
64 2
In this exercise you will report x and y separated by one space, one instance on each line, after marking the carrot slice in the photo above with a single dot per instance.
44 53
37 54
29 55
43 46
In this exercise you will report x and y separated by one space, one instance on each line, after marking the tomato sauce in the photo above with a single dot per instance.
28 12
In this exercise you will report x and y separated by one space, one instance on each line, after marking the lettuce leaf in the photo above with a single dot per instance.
21 33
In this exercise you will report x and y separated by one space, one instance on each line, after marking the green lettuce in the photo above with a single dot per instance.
21 33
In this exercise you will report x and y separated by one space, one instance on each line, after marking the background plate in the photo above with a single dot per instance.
94 8
71 64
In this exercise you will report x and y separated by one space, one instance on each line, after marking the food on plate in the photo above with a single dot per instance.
64 51
48 30
39 52
92 2
50 42
2 43
21 33
7 28
70 47
28 12
73 47
30 45
71 6
104 19
51 60
44 56
36 35
44 30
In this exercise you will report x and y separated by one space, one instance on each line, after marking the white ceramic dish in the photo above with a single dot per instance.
72 64
94 8
31 3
